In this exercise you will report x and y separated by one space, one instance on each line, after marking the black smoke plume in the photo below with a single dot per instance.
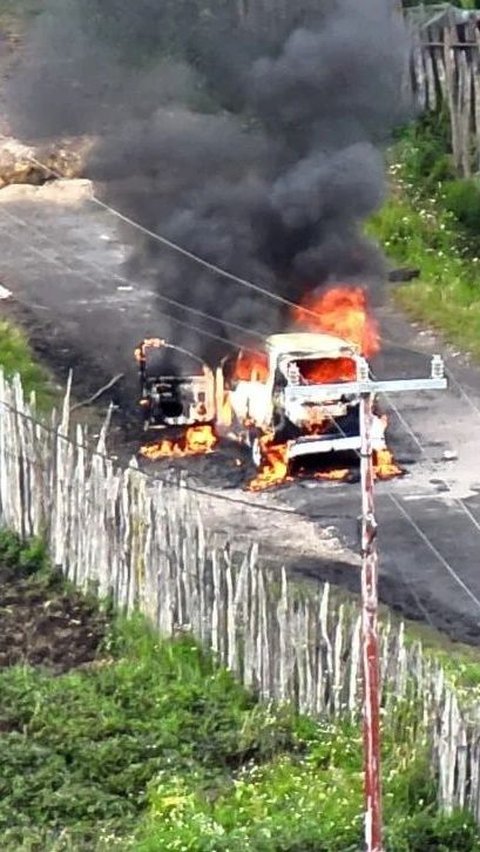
257 149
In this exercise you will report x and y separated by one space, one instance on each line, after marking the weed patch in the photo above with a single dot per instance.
420 226
16 357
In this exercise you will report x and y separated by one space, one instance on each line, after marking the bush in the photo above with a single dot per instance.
462 198
426 150
430 832
300 805
19 557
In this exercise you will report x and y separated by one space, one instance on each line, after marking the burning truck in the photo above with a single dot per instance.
268 404
285 401
176 387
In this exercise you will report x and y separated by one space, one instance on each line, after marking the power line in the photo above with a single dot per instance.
225 498
434 550
198 490
450 375
264 292
422 449
226 274
129 282
155 477
423 536
212 267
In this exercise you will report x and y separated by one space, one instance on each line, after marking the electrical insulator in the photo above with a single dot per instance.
438 367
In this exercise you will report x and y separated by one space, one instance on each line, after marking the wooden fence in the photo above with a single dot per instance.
445 72
147 544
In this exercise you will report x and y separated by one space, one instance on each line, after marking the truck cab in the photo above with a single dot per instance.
176 387
298 401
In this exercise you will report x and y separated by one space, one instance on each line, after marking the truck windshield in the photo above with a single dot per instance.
325 370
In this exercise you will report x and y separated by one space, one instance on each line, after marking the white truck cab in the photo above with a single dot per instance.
317 420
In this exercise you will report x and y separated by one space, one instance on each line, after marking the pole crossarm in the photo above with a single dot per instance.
373 387
365 385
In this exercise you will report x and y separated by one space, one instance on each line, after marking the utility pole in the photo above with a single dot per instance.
367 388
370 641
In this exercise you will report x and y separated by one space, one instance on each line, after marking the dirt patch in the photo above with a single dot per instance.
44 624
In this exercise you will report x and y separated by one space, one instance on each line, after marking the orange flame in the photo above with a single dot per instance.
328 370
333 475
251 366
342 311
197 440
274 468
385 466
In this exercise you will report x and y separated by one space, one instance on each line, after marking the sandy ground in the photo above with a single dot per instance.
59 255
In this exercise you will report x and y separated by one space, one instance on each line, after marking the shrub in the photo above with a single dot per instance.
431 832
19 557
462 198
426 150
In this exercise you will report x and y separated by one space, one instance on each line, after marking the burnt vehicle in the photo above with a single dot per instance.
176 387
291 397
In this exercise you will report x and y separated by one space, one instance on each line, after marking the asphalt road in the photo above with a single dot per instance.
59 254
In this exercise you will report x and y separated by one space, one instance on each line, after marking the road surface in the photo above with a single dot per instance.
60 254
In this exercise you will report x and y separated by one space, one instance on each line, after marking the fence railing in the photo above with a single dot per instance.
146 543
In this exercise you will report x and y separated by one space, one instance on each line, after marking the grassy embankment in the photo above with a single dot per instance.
16 356
432 221
152 746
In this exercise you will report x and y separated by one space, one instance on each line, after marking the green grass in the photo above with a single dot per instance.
432 221
416 230
16 356
156 748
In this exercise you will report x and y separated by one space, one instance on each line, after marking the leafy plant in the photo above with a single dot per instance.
22 558
462 198
16 357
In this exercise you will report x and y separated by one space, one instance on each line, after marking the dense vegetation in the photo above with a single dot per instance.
432 221
150 745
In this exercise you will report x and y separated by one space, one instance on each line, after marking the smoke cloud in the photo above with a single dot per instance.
260 151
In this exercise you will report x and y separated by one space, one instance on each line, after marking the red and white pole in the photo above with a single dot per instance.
370 642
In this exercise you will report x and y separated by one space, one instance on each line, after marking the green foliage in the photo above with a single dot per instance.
92 740
23 558
17 357
426 832
432 222
285 805
154 746
462 198
426 150
302 804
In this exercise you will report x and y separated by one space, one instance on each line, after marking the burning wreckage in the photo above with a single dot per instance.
284 402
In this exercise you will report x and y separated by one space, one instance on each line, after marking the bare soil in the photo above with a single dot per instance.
44 623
